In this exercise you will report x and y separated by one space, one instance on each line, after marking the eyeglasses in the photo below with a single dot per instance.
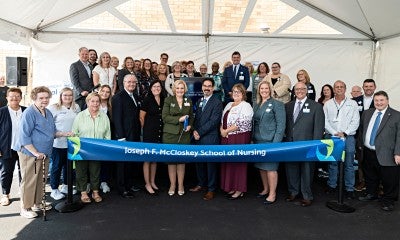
237 92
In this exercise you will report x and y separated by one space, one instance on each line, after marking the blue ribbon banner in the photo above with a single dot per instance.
326 150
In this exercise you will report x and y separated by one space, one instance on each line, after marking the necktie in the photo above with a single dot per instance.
297 111
375 129
234 70
204 103
133 98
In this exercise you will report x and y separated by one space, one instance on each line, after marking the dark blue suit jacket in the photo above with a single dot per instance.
228 79
125 116
207 120
6 132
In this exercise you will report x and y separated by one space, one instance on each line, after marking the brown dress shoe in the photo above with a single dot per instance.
208 196
196 189
306 203
290 198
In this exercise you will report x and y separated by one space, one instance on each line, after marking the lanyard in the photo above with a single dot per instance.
337 107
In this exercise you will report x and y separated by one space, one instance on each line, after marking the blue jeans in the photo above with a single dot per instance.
59 163
349 175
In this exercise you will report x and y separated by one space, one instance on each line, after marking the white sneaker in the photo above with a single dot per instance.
28 213
38 208
105 187
64 190
56 194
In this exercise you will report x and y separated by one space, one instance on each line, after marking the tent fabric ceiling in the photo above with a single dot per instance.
352 18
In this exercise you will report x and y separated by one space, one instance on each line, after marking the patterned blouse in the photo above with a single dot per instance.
240 115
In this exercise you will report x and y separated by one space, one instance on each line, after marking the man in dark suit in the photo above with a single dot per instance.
236 73
80 73
125 115
9 124
305 120
206 125
379 139
364 102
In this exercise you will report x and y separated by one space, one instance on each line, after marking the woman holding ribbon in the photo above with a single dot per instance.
177 115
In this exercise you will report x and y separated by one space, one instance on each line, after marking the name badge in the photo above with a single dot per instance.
268 110
310 91
306 110
186 104
172 104
241 78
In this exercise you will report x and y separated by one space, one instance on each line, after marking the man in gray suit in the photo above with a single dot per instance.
380 140
80 73
305 120
206 131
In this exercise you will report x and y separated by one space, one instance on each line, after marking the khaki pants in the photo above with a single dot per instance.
32 180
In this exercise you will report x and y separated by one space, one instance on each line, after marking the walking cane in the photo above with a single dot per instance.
44 188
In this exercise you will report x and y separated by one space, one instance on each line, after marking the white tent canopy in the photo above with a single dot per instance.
345 39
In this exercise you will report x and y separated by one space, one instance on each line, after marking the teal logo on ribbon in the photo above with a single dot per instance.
76 145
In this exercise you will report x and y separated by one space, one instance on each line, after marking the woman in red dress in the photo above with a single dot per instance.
236 129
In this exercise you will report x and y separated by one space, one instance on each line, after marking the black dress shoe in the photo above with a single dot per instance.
152 194
235 198
330 190
267 202
349 195
127 194
387 207
229 194
368 198
262 195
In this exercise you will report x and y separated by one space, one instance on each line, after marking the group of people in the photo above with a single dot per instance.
126 106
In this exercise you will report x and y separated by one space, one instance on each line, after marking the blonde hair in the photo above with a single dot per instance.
59 103
101 61
176 83
166 67
92 95
258 97
306 76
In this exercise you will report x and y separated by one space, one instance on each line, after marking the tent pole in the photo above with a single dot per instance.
373 60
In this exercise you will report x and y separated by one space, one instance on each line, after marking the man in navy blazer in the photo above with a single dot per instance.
9 119
364 102
80 73
379 138
206 132
125 115
305 123
236 73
